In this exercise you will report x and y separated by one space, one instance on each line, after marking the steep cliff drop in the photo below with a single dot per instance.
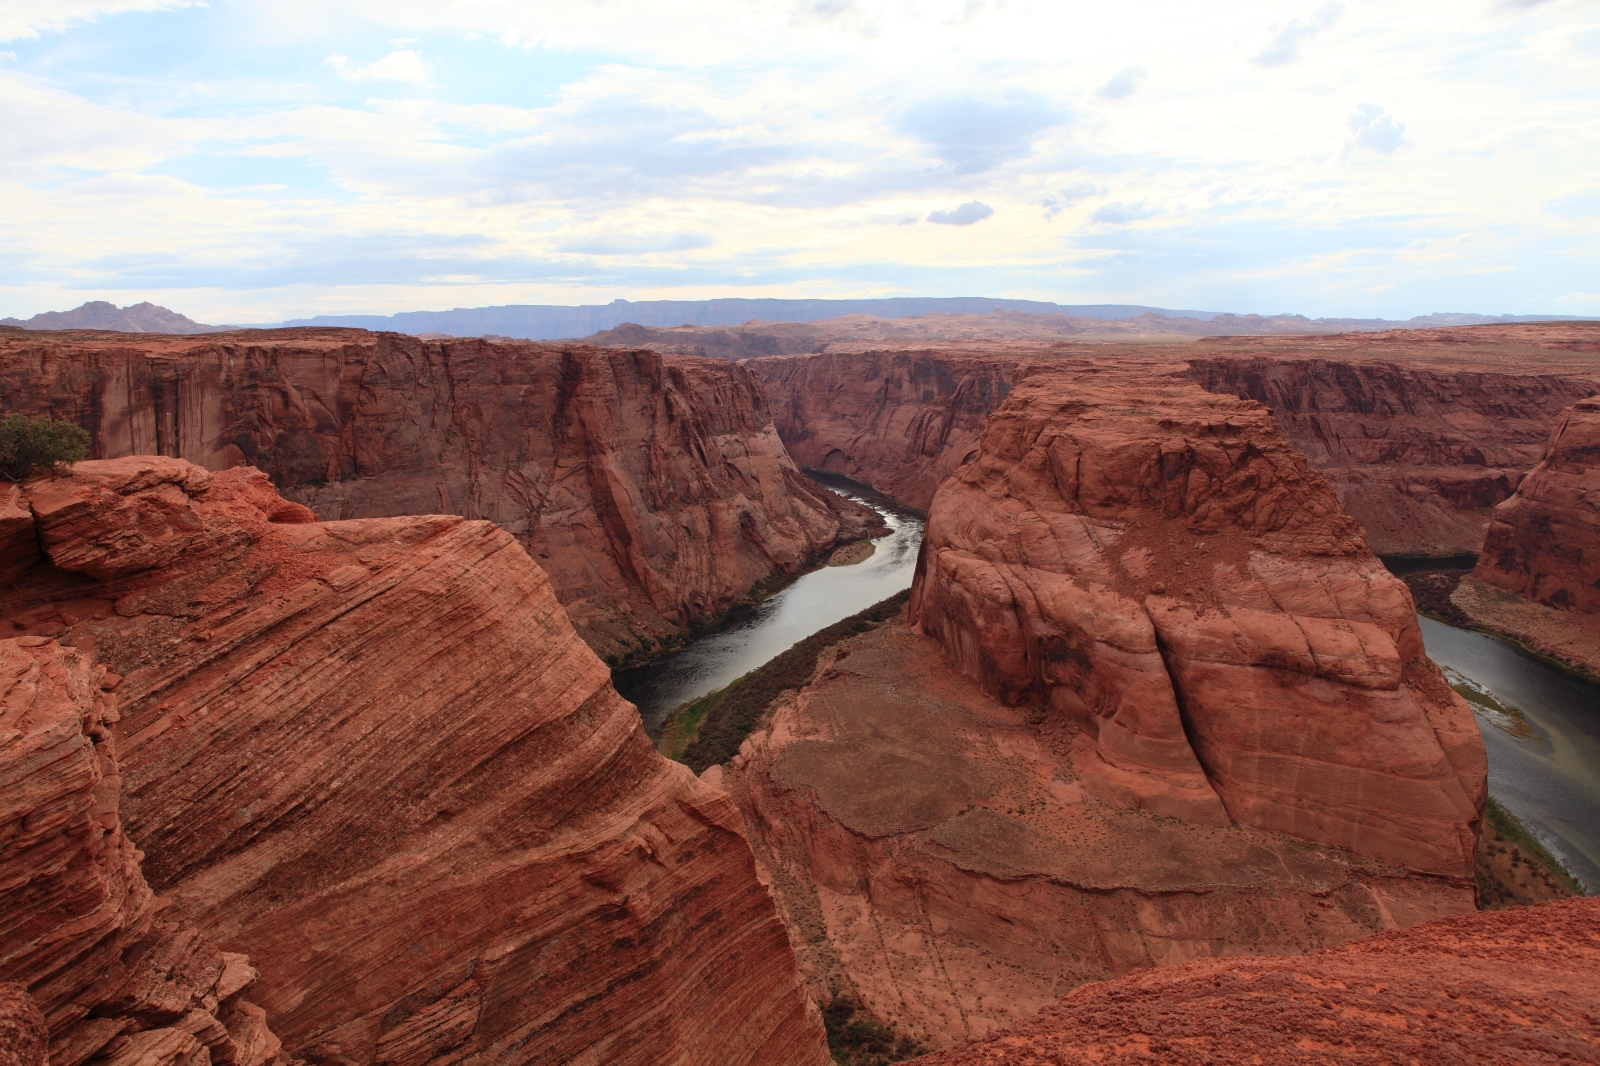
1543 548
375 755
1160 704
90 962
1419 454
1509 986
654 490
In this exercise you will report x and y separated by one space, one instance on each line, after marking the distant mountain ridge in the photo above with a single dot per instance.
559 321
553 321
99 314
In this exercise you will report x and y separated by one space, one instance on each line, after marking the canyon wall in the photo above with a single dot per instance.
1156 567
900 421
654 490
1509 986
88 954
375 755
1419 455
1543 543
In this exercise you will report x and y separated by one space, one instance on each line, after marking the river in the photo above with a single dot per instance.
754 637
1550 779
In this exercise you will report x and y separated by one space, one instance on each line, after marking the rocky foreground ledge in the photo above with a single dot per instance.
375 757
1509 986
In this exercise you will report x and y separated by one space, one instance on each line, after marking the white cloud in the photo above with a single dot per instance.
1120 214
23 19
1373 130
1123 84
1284 46
403 64
965 215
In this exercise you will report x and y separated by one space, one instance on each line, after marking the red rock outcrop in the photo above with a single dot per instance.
1419 455
375 755
1156 567
936 859
93 964
654 490
1518 986
1544 542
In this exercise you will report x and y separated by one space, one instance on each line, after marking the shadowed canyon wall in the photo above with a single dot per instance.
85 947
1544 542
654 490
375 755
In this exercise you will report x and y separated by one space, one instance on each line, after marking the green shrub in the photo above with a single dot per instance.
44 445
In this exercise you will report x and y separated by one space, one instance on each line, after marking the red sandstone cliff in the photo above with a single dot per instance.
93 964
1506 986
1419 455
375 755
1162 572
1544 542
898 421
654 490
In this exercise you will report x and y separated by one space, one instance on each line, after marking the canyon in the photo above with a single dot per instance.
375 756
1153 700
1421 432
653 490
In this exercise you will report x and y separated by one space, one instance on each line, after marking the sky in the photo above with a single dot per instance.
250 162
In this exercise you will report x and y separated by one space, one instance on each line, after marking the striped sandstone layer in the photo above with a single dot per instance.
375 755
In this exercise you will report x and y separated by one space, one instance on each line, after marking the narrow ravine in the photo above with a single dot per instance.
813 601
1544 756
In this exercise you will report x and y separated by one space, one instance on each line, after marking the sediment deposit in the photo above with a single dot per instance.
654 490
1509 986
90 964
375 756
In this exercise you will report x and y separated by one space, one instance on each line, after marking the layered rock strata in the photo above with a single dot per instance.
89 962
654 490
1510 986
938 859
899 421
1419 455
375 755
1544 542
1156 569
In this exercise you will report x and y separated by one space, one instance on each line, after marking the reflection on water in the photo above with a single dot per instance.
1549 778
817 599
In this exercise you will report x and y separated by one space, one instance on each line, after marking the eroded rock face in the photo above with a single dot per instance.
90 962
1544 542
896 420
1155 567
937 857
1516 985
654 490
375 755
1419 455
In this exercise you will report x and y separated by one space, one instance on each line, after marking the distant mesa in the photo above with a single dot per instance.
100 314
